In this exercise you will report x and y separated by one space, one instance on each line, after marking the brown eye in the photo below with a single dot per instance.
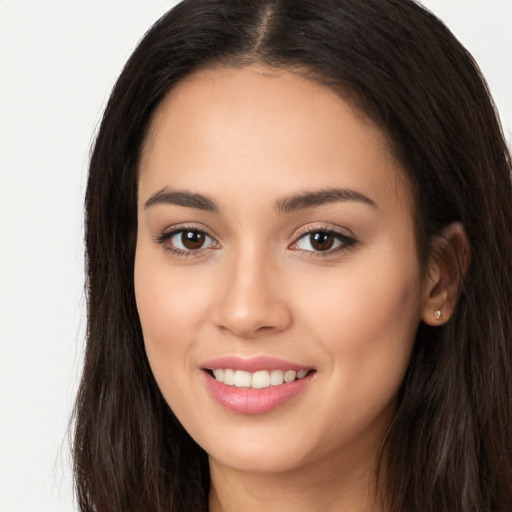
192 240
187 240
321 241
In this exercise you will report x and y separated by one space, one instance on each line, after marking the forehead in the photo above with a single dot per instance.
258 129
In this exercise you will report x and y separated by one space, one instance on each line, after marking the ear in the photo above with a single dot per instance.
448 262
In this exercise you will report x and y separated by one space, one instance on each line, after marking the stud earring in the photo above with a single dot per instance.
437 314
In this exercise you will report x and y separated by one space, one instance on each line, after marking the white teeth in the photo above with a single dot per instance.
260 380
276 377
219 375
242 379
257 380
229 377
289 376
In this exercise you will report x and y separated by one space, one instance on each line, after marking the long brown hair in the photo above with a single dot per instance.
449 447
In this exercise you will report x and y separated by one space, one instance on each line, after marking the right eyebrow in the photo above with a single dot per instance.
182 198
321 197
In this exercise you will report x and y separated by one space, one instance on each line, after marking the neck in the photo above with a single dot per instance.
319 486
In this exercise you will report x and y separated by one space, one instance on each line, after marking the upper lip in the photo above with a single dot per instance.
253 364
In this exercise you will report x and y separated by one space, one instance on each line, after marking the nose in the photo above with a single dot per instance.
252 299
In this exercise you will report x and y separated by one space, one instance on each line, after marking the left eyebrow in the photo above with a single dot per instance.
321 197
182 198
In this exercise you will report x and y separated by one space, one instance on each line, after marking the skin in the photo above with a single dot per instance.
247 138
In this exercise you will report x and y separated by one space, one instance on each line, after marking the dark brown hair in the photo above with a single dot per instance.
449 447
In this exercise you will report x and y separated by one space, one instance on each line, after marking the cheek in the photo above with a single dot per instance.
169 307
365 317
168 304
364 322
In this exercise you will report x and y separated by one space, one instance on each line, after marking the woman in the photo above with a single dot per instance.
299 275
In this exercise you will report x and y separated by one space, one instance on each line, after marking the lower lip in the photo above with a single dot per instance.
255 401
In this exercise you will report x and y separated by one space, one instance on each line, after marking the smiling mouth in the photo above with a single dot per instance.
257 380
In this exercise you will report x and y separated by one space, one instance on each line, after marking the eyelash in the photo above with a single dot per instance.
345 242
165 238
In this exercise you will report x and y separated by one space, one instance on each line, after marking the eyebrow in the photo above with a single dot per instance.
286 205
321 197
182 198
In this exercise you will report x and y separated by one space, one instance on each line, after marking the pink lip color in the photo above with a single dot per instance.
255 401
249 400
253 364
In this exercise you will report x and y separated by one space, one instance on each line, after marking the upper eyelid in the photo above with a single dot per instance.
165 237
330 228
347 240
335 234
299 233
170 231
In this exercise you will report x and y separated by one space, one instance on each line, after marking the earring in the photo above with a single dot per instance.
437 314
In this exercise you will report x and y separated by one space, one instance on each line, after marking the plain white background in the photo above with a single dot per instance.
58 62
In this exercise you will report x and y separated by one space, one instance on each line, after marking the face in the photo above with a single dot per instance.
276 271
